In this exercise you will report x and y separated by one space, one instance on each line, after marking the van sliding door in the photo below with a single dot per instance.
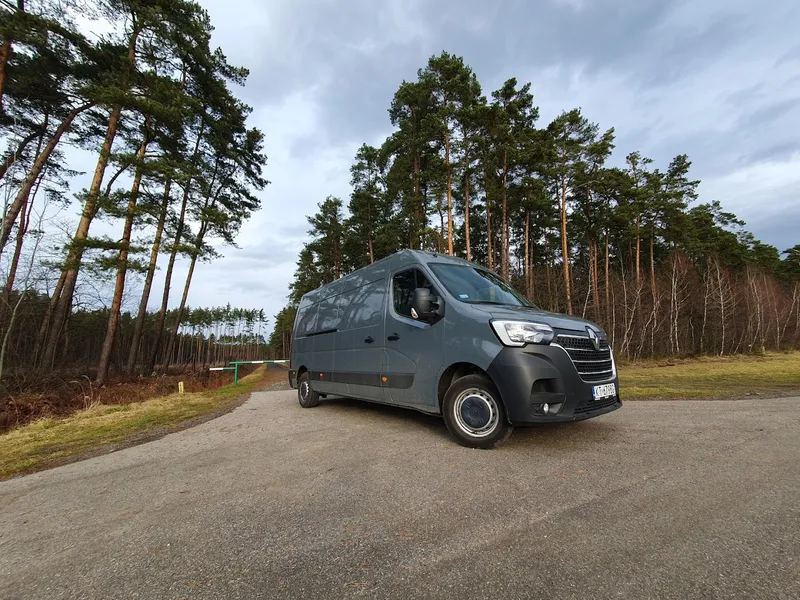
360 345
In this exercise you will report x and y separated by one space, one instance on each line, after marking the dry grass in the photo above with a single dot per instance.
59 395
49 439
711 377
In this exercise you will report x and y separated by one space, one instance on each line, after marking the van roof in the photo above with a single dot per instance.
378 270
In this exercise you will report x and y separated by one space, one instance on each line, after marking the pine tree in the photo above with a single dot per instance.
512 131
572 139
367 208
409 175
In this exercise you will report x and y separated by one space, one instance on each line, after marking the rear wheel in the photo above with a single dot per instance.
474 413
308 398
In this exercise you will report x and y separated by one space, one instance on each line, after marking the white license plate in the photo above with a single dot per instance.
599 392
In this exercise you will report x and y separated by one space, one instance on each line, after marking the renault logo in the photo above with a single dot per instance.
593 337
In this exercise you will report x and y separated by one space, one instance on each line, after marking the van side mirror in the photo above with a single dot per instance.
425 306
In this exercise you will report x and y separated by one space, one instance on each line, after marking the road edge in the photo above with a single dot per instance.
141 438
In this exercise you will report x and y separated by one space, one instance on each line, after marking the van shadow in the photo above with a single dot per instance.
431 423
573 435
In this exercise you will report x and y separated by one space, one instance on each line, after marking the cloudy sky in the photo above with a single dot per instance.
716 79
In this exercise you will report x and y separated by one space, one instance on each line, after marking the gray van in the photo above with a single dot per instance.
445 336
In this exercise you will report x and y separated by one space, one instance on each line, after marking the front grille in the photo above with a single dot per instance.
592 365
590 406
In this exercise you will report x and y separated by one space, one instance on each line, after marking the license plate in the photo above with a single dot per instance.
599 392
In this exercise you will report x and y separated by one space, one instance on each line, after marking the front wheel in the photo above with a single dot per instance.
308 398
474 413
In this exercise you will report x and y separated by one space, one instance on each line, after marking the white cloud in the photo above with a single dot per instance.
713 79
575 5
758 191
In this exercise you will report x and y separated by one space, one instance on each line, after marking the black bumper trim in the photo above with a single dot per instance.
396 381
530 377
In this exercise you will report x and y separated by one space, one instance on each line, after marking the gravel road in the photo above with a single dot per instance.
657 500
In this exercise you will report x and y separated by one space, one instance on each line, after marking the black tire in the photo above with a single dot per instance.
307 397
474 413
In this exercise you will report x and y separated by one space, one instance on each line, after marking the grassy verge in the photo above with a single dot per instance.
711 377
48 442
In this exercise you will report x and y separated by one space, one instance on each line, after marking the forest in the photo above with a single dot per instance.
626 243
137 87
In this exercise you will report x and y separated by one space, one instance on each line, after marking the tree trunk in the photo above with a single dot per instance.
420 208
24 225
638 249
440 208
5 54
148 282
122 269
337 260
369 232
48 316
528 287
488 220
531 271
179 316
505 258
75 254
162 313
181 341
449 194
466 201
607 268
13 157
595 278
652 265
35 172
547 272
565 245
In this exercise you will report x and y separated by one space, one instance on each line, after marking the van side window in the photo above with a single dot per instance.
366 308
329 315
307 320
403 286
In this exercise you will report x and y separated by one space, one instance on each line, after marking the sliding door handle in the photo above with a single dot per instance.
394 338
369 340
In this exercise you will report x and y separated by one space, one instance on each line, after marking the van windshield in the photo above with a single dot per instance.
477 286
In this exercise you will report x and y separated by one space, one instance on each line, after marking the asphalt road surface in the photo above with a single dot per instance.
657 500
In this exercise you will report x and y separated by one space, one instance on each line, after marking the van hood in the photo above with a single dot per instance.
555 320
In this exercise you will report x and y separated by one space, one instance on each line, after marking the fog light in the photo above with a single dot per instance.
546 408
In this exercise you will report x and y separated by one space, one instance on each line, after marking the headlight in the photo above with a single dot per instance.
519 333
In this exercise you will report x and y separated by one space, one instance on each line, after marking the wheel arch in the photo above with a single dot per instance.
455 372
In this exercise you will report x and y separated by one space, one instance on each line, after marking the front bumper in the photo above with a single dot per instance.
530 377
